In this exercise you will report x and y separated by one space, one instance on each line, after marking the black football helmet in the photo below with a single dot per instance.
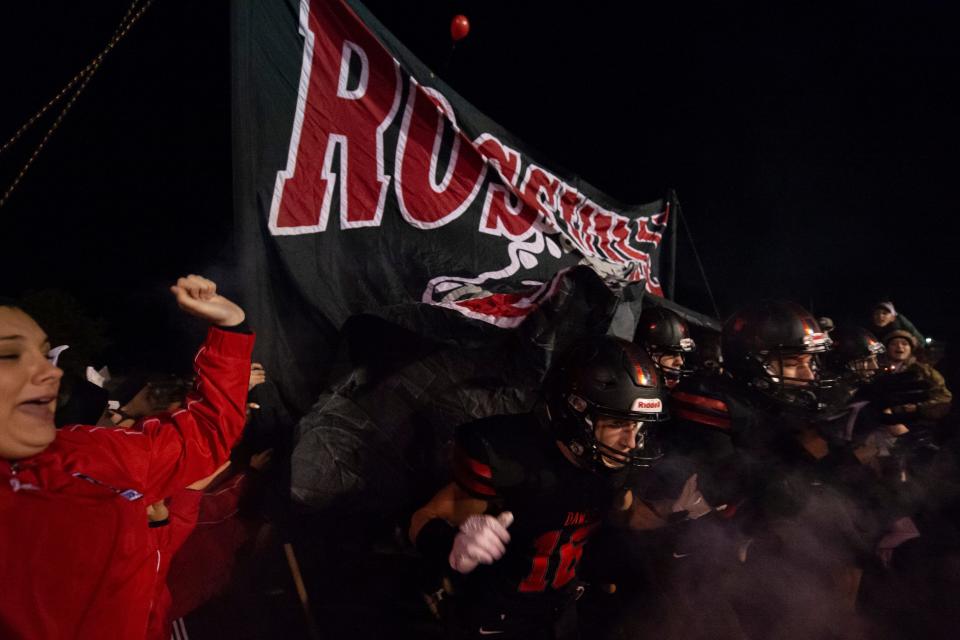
758 338
606 377
664 333
855 353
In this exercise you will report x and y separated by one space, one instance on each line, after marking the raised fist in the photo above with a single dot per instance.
198 296
482 539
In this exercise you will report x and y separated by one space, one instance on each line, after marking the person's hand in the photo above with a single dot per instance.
198 296
118 418
258 375
482 539
158 512
691 500
203 483
259 461
898 429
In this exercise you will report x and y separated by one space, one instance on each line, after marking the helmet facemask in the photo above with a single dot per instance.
864 369
794 390
590 447
673 373
663 334
855 355
775 347
598 381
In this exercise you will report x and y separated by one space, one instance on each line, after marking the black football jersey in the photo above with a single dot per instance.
513 463
745 448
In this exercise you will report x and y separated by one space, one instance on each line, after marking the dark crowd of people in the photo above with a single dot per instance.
786 479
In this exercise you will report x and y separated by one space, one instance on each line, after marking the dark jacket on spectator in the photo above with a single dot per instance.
900 323
932 396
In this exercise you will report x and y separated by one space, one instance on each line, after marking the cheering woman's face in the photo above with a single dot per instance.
29 383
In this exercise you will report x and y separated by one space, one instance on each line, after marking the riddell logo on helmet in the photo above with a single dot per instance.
816 340
647 405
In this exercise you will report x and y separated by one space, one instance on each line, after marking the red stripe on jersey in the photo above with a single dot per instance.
702 418
462 458
473 484
701 401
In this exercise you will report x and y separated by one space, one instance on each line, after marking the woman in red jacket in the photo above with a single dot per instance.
72 502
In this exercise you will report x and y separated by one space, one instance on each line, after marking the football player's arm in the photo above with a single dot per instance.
454 530
451 504
631 512
641 515
644 515
434 527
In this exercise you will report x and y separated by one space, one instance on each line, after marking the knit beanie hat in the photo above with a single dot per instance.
886 304
900 333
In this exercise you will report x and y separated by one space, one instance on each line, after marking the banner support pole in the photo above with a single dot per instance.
674 204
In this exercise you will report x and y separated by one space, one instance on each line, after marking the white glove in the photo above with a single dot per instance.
691 500
482 539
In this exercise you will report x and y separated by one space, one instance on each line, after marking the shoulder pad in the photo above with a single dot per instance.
471 460
484 449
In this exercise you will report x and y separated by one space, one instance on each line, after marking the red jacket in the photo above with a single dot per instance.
76 559
203 566
183 507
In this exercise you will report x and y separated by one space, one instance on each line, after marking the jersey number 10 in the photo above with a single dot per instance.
555 563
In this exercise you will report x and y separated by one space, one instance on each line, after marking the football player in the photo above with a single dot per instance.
792 531
666 337
531 489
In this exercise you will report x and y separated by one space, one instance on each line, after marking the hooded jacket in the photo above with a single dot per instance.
76 556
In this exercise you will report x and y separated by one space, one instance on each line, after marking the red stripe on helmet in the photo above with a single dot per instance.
645 376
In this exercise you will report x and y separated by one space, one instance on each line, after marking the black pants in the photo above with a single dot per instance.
470 618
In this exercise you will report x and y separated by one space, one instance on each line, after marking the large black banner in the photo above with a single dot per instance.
363 182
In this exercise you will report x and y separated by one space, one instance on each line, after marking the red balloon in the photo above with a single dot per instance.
459 27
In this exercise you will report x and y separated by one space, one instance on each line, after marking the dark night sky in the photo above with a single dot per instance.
814 150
